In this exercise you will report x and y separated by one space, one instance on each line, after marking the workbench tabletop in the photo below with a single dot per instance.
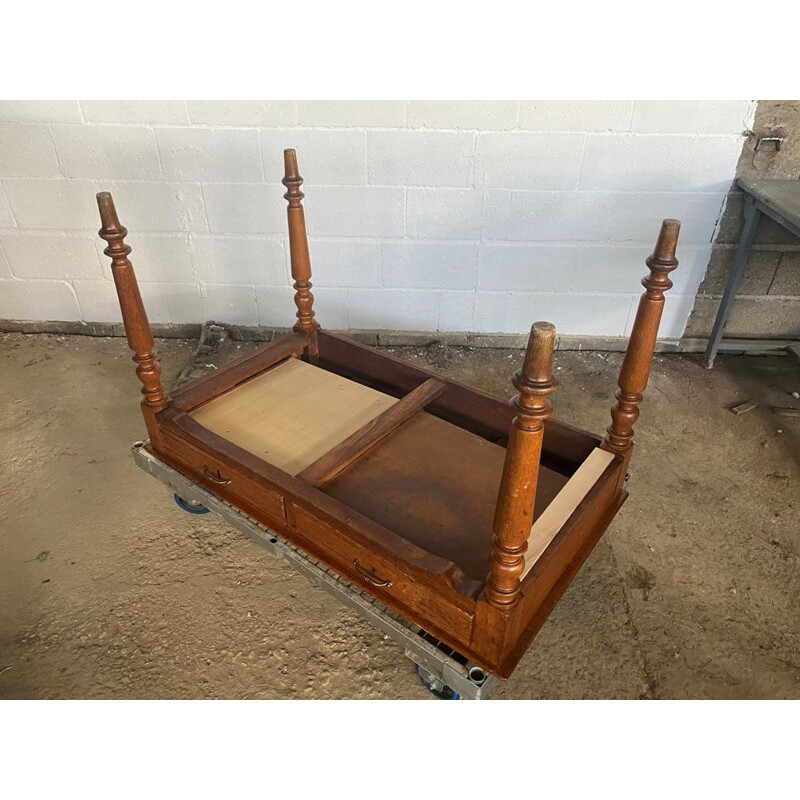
782 196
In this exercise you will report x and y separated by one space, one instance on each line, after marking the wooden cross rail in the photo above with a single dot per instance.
326 468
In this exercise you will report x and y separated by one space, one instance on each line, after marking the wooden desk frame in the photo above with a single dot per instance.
491 620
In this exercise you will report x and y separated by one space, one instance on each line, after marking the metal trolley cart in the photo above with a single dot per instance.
445 673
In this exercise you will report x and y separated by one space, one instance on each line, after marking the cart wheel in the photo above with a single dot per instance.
190 505
441 691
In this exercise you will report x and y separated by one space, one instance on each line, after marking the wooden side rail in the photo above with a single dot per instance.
565 446
326 468
214 384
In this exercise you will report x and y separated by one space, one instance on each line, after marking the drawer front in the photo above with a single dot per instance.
398 585
261 502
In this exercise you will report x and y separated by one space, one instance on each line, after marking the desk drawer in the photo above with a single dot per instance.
427 595
400 585
225 480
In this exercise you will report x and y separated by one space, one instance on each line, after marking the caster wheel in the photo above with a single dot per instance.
441 691
190 505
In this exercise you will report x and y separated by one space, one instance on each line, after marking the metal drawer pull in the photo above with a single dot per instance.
370 577
214 477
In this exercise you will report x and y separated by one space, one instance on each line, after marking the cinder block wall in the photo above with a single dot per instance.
455 216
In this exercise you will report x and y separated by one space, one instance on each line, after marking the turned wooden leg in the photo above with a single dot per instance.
298 247
515 501
137 328
639 356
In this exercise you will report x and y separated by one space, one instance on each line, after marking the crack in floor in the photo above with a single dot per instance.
649 681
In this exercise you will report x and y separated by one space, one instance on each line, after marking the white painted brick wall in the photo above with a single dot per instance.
420 158
434 265
335 157
185 302
241 208
346 262
254 113
576 116
249 262
41 111
5 269
489 115
43 255
527 267
369 211
134 111
351 114
522 160
7 220
112 151
160 258
26 151
209 154
443 213
451 215
35 299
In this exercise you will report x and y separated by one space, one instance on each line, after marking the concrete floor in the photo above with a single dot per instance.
107 590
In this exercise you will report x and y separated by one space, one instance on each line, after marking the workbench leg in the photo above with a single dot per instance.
751 217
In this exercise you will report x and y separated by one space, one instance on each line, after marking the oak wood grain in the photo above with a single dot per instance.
635 370
435 485
181 427
516 498
565 446
328 466
298 252
134 316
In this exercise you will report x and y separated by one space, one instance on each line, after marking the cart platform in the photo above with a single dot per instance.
440 667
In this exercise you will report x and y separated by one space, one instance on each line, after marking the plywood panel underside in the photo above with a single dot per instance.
292 414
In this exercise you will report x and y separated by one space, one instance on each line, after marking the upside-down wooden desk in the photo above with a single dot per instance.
466 514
